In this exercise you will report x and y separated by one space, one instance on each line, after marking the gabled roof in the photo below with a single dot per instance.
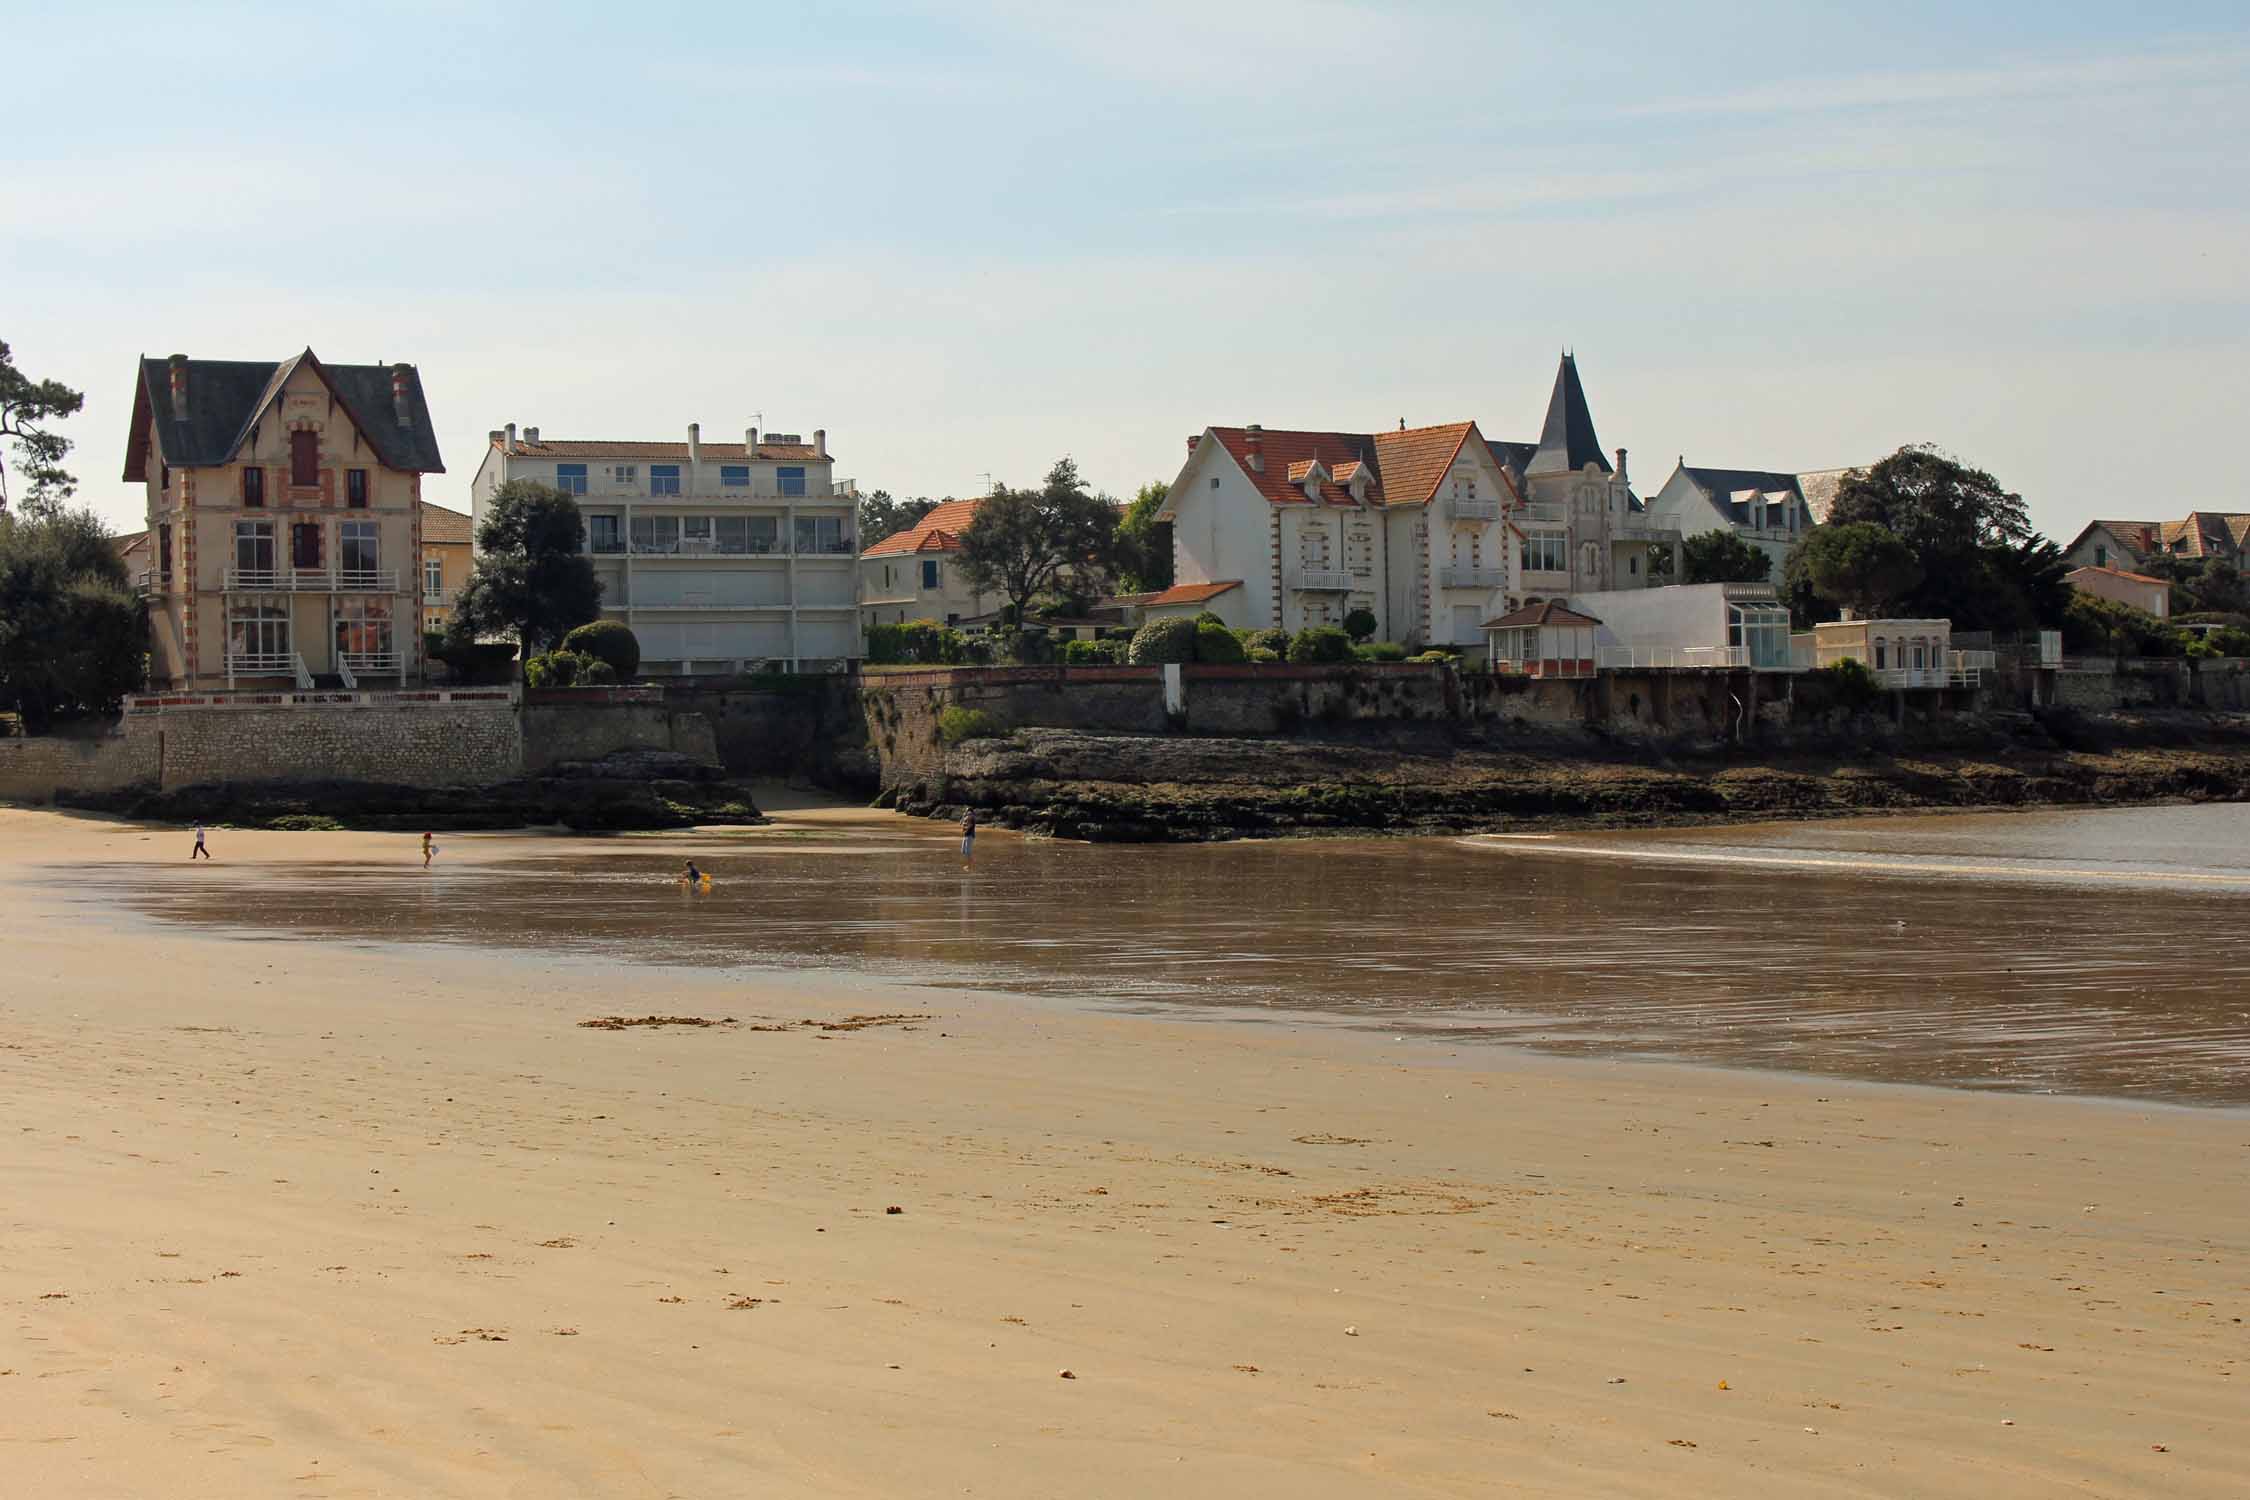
939 531
1190 593
446 527
628 448
1724 482
227 398
2119 573
1819 486
1513 456
2205 533
1567 442
1403 467
1549 613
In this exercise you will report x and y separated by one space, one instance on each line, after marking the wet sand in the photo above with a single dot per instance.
338 1217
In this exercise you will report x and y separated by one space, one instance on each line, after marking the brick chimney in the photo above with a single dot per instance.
402 402
820 442
1254 438
1193 439
1621 466
178 369
695 442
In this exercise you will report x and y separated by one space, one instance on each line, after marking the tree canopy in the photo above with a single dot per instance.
1861 566
881 516
1144 544
1723 557
1984 567
73 639
27 409
531 580
1024 543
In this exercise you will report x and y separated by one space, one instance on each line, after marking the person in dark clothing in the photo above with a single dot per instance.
968 837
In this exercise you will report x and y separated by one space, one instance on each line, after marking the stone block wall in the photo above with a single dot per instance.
31 770
448 744
558 731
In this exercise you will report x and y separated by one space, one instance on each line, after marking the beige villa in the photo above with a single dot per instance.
447 541
285 521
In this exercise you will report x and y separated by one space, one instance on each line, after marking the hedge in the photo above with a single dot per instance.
1320 644
612 641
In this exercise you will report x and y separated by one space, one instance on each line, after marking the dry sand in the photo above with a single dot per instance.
301 1219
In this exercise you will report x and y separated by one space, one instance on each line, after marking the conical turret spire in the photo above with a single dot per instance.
1567 443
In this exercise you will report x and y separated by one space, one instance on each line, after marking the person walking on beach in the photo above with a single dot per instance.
968 837
198 852
428 848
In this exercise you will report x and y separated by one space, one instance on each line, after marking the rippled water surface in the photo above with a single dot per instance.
2103 952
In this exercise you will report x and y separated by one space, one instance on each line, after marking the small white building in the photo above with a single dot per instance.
1691 625
722 557
1542 640
1901 653
2152 595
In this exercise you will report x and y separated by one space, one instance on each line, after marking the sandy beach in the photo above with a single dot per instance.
319 1219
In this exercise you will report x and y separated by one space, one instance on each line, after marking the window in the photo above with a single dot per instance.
1546 552
791 481
359 551
2101 557
1214 481
1918 659
164 481
363 632
602 534
433 578
355 489
1880 661
695 533
304 546
253 553
258 633
734 476
253 487
625 473
929 574
304 458
664 479
570 478
164 552
1633 567
821 534
656 535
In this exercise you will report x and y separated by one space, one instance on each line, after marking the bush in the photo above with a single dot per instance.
1433 655
1262 654
1320 644
1380 651
1215 643
611 641
2231 642
1210 617
917 642
1031 648
558 669
1093 653
1360 624
2197 649
480 663
2095 624
956 724
1272 638
1851 682
1163 641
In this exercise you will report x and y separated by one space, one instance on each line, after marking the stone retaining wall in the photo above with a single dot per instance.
31 770
402 743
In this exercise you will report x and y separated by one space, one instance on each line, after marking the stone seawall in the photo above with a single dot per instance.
572 724
400 744
32 770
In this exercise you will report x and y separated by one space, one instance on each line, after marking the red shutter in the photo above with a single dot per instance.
304 458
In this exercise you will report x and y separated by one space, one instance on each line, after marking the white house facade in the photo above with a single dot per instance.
1765 508
915 574
721 556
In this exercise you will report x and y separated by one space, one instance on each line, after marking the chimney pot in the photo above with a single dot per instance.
494 436
531 435
820 441
1193 439
402 405
750 442
1254 438
176 368
512 437
694 442
1621 466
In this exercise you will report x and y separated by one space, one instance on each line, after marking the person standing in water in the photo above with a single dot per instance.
968 837
428 848
199 852
693 877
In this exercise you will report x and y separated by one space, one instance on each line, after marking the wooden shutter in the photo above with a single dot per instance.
304 458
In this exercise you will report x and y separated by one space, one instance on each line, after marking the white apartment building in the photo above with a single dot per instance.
722 557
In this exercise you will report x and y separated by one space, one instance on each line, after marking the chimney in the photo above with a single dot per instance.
1254 438
1193 439
402 404
695 442
750 442
531 436
820 442
1621 466
178 368
494 437
511 437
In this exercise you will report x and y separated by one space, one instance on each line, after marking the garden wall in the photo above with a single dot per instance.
571 724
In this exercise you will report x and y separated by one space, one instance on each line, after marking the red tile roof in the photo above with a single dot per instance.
1549 613
711 452
446 527
939 531
1192 593
1404 468
2119 573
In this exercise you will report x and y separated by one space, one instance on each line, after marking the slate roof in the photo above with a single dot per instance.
1567 442
1548 613
226 398
446 527
1819 486
1404 467
1515 456
939 531
627 448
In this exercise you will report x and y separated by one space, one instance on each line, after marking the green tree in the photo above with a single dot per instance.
1024 543
1861 566
1144 544
881 516
1360 624
1950 516
1723 557
531 580
27 406
73 638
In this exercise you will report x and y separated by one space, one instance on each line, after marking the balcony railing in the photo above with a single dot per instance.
1469 578
1648 529
269 664
437 598
311 580
685 547
1473 507
1543 515
1322 581
371 663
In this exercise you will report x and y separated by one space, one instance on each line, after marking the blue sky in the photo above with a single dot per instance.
967 238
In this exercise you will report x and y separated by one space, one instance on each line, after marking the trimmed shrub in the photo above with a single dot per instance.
611 641
2231 642
956 724
1320 644
1215 643
1272 638
1262 654
1163 641
916 642
1093 653
1433 655
481 663
1380 651
1210 617
1360 624
1030 648
1851 682
2197 649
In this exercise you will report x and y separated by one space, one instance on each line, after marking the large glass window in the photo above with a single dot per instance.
433 577
656 535
695 533
164 552
664 479
363 632
1546 552
304 546
258 634
253 554
359 551
733 534
734 476
602 534
570 478
765 533
821 534
790 480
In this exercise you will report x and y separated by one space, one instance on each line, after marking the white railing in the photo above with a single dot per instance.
437 598
1321 580
1469 578
261 664
1704 658
705 550
1473 507
311 580
1647 529
145 584
344 675
353 664
1543 515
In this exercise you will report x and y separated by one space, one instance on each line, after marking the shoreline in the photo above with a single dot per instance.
394 1219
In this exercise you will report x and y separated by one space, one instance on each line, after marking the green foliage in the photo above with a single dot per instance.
881 516
1723 557
1262 655
1982 565
956 724
2231 641
1215 643
531 581
1320 644
1433 656
304 823
1379 651
1163 641
27 408
1860 565
1272 638
2200 585
1360 624
1024 543
922 642
1144 544
480 663
1029 648
2094 625
612 641
1094 653
2195 648
559 669
1850 683
73 639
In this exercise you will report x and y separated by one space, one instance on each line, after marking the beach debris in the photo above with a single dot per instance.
2158 1448
483 1335
745 1304
1323 1138
1616 1380
1679 1442
1505 1416
1351 1330
1247 1369
564 1333
2007 1421
1724 1386
560 1242
628 1023
894 1209
1066 1375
